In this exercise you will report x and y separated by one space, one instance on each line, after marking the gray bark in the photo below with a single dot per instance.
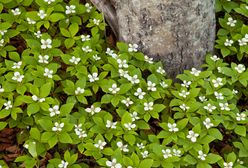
177 32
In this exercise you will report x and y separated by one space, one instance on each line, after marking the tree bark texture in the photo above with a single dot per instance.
177 32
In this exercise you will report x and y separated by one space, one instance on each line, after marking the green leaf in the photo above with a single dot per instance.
73 29
3 125
66 108
55 17
35 134
69 42
32 109
240 130
130 139
45 90
65 138
147 163
214 132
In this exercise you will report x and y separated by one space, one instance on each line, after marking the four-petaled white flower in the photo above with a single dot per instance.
202 98
166 153
70 9
95 57
160 70
75 60
235 92
172 127
58 127
85 37
231 22
186 83
88 7
184 94
49 1
46 43
100 144
214 58
242 42
228 42
122 63
2 32
16 11
224 106
139 93
1 42
63 164
219 96
18 77
133 79
140 146
209 107
79 90
240 161
201 155
148 106
96 21
111 53
111 124
127 101
177 152
8 105
48 73
133 47
36 98
192 136
87 49
163 84
1 89
228 165
113 164
114 89
134 116
93 77
122 146
148 59
151 86
130 126
195 72
17 65
217 82
240 68
124 73
38 34
79 131
144 154
42 14
54 110
208 123
92 110
43 59
184 107
30 21
240 116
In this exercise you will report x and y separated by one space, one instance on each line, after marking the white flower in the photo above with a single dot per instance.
42 14
96 21
149 60
240 161
75 60
192 136
88 7
87 49
208 123
79 90
209 107
2 32
241 116
144 154
17 65
176 152
184 94
219 96
1 42
58 126
246 38
202 98
242 42
43 59
163 84
228 42
46 43
201 155
48 73
35 98
148 106
134 116
110 124
195 72
38 34
151 86
18 77
70 9
235 91
133 47
184 107
1 89
113 164
8 105
228 165
85 37
219 69
95 57
240 68
100 144
130 126
124 74
54 110
224 106
127 101
214 58
122 63
160 70
122 146
133 79
92 110
231 22
111 53
16 11
93 77
25 146
49 1
79 131
140 146
139 93
166 153
172 127
30 21
186 84
217 82
114 89
63 164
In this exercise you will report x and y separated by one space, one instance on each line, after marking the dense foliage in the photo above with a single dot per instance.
87 105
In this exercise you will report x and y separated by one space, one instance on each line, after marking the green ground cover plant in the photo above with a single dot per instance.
87 105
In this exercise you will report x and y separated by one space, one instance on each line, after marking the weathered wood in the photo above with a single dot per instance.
177 32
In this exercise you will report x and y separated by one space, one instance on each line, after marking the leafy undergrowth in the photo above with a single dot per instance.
67 100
